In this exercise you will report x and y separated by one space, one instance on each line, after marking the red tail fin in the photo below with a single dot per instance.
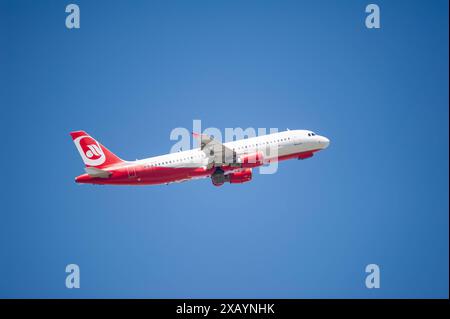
92 152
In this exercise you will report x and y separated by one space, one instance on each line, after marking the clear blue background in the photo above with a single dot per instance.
137 69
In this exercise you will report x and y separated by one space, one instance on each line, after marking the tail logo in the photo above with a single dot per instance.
90 151
93 152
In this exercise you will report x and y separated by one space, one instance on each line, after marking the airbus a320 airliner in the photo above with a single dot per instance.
230 162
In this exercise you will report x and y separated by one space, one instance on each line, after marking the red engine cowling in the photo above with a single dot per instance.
252 160
241 176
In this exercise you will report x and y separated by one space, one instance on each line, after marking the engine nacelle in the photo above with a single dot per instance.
241 176
252 160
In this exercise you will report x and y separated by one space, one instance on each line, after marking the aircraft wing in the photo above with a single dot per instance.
217 153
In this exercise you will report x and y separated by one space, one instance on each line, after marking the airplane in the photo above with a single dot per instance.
230 162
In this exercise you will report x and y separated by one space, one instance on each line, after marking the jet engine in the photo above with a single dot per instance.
241 176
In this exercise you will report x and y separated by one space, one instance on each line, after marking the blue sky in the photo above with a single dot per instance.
136 70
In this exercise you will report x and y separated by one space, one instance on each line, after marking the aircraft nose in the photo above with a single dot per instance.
325 142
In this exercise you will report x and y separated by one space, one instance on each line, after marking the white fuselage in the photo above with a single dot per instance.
272 146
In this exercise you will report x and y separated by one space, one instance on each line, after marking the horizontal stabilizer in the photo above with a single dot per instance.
96 172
